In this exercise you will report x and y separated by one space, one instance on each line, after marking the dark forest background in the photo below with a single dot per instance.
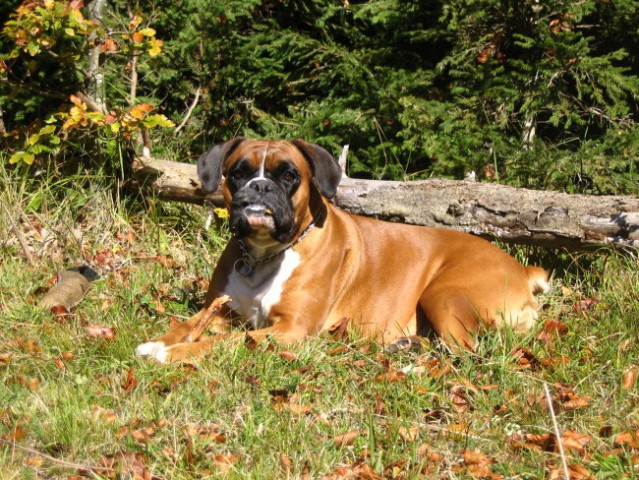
540 94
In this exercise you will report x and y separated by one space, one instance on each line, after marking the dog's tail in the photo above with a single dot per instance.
538 279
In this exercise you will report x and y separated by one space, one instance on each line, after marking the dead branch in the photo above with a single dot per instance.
515 215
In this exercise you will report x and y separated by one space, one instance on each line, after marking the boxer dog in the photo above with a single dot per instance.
298 266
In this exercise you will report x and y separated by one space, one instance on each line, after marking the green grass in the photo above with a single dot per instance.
76 405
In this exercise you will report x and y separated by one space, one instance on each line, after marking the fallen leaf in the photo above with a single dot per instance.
107 416
224 462
285 462
628 439
345 439
125 465
206 434
100 331
392 375
544 442
478 465
61 313
575 441
525 359
17 433
337 350
339 331
143 435
584 306
288 356
294 408
571 400
575 472
629 378
29 346
131 382
556 326
409 434
34 460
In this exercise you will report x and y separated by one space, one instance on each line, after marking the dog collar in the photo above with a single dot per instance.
247 264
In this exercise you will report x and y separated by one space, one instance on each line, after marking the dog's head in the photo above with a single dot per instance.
269 186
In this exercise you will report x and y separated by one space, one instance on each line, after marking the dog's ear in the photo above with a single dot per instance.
209 165
326 171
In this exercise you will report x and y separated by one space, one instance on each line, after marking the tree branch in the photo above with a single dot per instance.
189 112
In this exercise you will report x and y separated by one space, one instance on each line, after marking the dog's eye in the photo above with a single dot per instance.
237 174
289 176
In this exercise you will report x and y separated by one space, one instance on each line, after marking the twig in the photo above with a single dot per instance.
21 239
195 101
557 434
91 103
57 461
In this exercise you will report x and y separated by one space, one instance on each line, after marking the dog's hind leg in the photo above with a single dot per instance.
452 316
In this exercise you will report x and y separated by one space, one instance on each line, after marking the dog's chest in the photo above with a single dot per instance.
253 296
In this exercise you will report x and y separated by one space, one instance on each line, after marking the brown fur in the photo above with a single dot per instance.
389 280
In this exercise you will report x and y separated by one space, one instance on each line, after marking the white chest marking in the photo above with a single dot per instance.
253 297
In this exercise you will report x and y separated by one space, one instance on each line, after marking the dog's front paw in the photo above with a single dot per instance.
155 350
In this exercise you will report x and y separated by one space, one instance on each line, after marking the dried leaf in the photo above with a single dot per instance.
478 465
131 382
409 434
575 441
288 356
629 378
124 464
545 442
100 331
584 306
34 460
285 462
345 439
206 434
393 375
628 439
339 331
224 462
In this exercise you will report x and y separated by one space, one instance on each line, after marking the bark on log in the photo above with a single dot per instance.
514 215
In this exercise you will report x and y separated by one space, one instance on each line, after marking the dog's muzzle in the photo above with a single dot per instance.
261 205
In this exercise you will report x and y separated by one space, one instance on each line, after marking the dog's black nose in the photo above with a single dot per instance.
261 186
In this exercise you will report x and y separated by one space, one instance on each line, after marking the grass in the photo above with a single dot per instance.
73 405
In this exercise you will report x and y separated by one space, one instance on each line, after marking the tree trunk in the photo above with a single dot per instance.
514 215
95 75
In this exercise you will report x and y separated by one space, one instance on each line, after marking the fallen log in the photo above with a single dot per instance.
513 215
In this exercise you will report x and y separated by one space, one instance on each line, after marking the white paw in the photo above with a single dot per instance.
156 350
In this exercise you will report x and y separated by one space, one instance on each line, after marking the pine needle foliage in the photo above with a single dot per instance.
535 94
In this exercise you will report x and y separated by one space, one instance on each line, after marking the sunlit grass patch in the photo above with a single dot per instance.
76 401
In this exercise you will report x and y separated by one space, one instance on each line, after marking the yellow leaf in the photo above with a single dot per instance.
147 32
156 47
25 157
221 212
139 111
77 101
